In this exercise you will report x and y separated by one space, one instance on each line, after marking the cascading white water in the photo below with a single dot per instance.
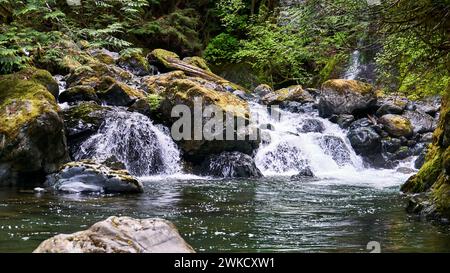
298 140
355 66
133 139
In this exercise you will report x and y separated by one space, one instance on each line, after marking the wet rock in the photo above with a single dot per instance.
135 63
420 161
311 126
263 90
430 105
397 126
230 165
32 136
365 140
405 170
336 148
346 97
364 122
402 153
391 145
427 138
81 121
292 93
421 122
88 177
344 121
241 94
305 172
116 93
120 235
390 108
79 93
297 107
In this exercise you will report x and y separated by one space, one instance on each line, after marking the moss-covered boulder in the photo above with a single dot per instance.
158 83
189 93
292 93
134 62
396 125
82 121
31 130
40 76
79 93
433 177
346 97
117 93
198 62
167 61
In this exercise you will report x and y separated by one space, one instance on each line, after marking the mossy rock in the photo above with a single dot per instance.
31 130
158 83
396 125
79 93
134 62
105 58
116 93
350 97
40 76
433 177
163 57
198 62
292 93
343 86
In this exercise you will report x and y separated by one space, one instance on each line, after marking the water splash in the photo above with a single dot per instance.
132 138
287 148
355 66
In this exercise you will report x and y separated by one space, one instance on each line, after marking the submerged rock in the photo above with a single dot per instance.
120 235
32 136
230 165
346 97
88 177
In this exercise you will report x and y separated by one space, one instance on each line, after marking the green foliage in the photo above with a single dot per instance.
222 49
416 50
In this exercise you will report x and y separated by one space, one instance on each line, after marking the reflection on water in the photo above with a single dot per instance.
272 214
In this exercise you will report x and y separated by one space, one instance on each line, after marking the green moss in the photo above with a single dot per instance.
198 62
163 56
21 101
342 86
154 101
84 111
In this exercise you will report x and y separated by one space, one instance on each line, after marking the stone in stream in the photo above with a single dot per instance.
420 121
120 235
346 97
305 172
88 177
230 165
397 126
311 126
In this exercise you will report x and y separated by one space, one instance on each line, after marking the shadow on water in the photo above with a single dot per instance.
266 215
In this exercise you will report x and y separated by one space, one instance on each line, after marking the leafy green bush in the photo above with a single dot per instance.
221 49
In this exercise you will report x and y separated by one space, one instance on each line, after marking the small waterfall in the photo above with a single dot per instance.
133 139
299 140
355 66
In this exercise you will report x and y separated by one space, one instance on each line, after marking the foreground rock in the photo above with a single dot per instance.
346 97
87 177
32 139
230 165
433 177
397 126
120 235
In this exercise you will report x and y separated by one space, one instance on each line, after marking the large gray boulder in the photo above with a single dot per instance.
230 164
120 235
